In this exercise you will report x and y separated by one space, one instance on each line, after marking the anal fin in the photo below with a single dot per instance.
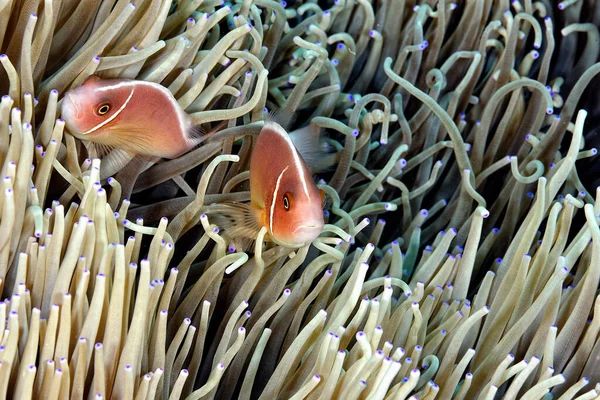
114 162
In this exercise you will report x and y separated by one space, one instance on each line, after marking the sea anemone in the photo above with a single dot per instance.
460 254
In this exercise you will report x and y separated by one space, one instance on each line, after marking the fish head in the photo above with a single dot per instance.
297 212
93 105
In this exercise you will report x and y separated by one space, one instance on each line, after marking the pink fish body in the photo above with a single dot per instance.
136 116
283 193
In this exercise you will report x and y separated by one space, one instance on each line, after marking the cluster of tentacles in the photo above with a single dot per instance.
460 254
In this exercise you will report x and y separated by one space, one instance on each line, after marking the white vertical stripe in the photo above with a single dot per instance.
274 199
112 117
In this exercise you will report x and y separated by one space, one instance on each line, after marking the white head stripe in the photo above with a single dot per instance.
272 208
112 117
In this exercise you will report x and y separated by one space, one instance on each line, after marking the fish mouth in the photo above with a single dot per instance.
309 226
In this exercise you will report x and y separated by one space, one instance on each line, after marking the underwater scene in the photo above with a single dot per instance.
299 199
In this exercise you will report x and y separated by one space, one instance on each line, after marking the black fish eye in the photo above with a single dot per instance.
286 202
103 109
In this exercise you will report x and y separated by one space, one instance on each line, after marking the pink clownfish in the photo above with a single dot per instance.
284 197
141 118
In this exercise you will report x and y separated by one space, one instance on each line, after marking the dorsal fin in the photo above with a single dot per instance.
282 116
91 78
307 140
313 149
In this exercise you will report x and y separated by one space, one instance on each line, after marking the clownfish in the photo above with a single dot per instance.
283 195
141 118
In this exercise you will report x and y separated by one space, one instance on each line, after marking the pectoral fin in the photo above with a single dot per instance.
237 221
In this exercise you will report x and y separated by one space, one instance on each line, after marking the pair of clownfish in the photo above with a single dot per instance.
143 118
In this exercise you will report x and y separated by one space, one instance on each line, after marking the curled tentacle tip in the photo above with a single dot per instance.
549 111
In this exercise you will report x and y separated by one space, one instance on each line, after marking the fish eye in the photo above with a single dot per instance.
103 109
287 201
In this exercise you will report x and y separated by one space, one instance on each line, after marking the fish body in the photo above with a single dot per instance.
142 118
282 189
284 197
